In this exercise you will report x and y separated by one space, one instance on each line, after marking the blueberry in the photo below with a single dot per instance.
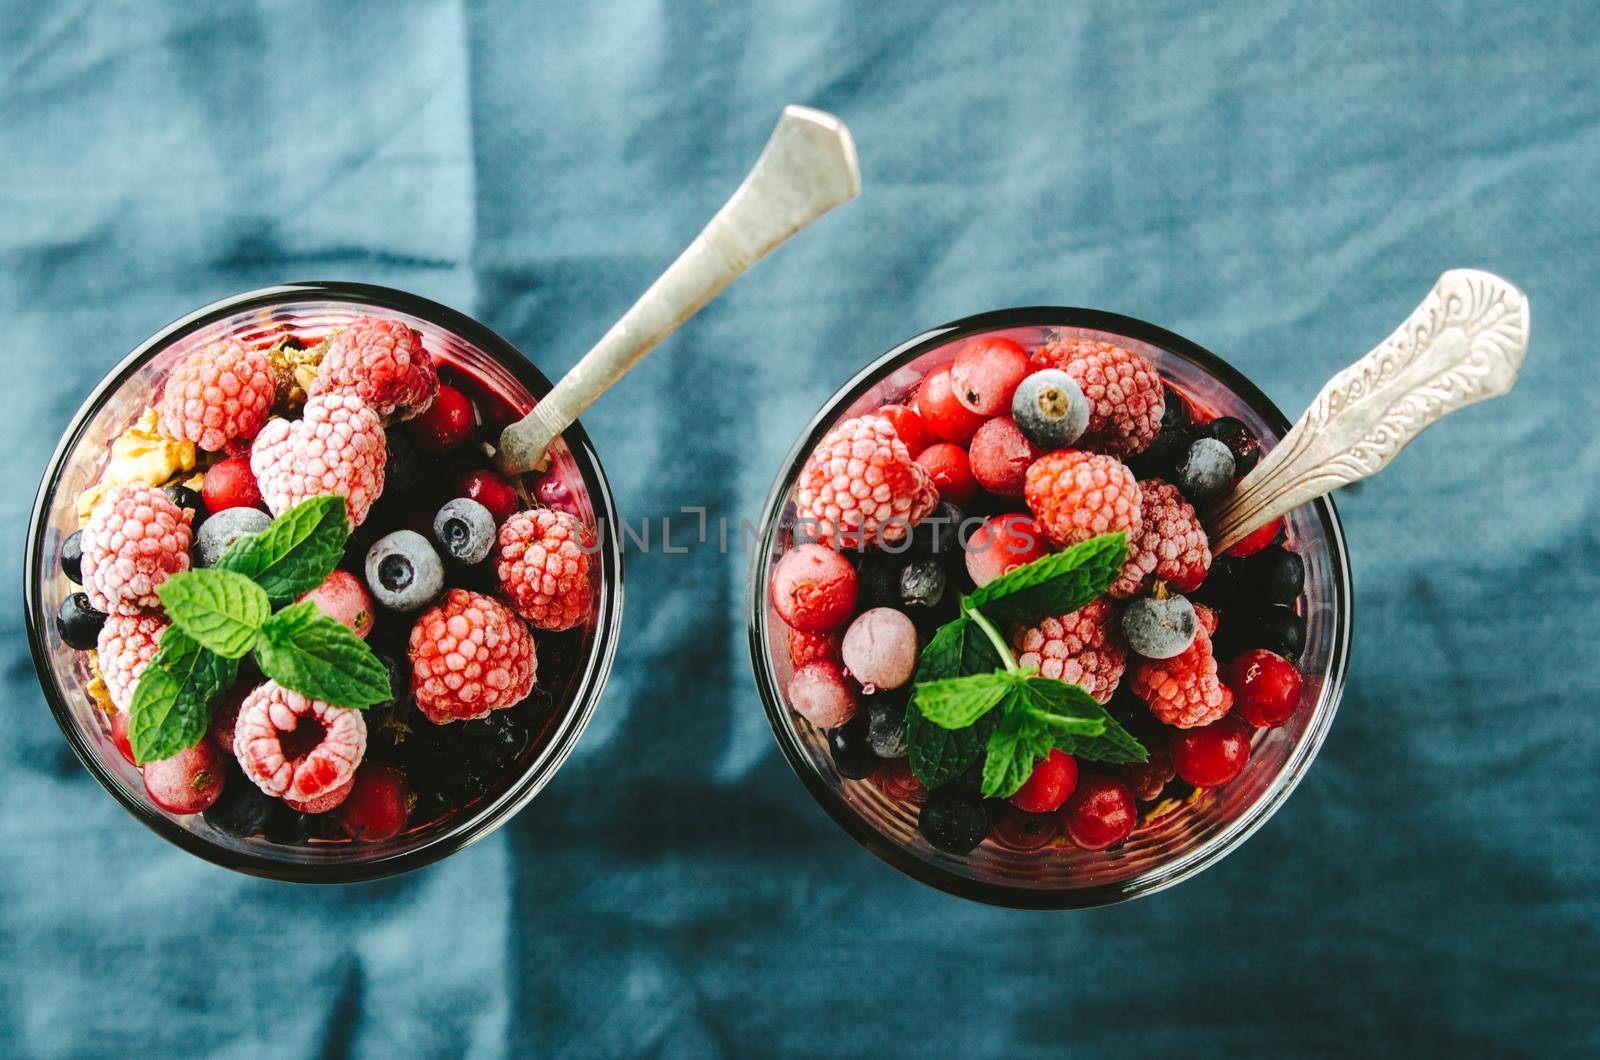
878 581
243 809
1160 458
1050 409
406 471
1278 574
218 533
284 825
1224 587
953 820
1206 470
938 534
465 530
1159 628
399 682
1278 629
886 723
1244 445
922 583
403 571
72 557
184 497
78 623
492 741
852 753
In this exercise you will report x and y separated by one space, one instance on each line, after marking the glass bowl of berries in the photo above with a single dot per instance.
284 607
989 631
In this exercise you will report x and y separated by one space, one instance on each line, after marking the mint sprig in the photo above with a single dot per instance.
223 613
971 699
296 553
303 649
170 711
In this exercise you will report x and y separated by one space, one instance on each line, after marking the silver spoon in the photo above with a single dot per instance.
807 168
1464 344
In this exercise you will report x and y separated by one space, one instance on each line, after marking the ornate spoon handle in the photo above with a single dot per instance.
807 168
1463 344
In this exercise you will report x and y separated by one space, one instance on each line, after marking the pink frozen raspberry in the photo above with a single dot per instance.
127 644
861 487
470 655
135 538
298 749
382 362
1078 495
1125 392
1185 691
1084 648
219 394
337 447
1171 544
542 560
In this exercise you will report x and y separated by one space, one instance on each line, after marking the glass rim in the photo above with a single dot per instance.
560 742
1179 868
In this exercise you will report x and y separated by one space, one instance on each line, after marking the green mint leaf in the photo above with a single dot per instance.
1067 710
171 705
222 611
956 702
1057 584
941 656
296 553
306 651
1019 742
939 755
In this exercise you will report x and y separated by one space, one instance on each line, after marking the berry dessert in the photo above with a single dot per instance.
1002 611
312 609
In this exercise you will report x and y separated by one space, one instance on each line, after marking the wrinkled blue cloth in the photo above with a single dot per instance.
1280 182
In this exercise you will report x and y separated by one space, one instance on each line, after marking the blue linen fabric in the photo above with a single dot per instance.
1279 181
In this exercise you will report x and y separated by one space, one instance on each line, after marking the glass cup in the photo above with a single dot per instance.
1164 849
477 355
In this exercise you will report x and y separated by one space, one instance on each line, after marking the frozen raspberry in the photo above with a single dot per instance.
1083 648
136 537
336 448
1000 456
469 656
820 693
1185 691
860 486
1171 544
542 560
299 749
809 647
217 395
814 589
127 644
382 362
1126 396
1079 495
322 803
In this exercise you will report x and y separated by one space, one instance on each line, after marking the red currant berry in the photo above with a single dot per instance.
1002 544
446 424
1026 832
1100 814
554 493
1048 786
951 471
491 491
1266 687
230 484
945 417
376 807
1212 755
1148 779
1257 540
814 589
1000 456
119 736
908 425
986 372
188 782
